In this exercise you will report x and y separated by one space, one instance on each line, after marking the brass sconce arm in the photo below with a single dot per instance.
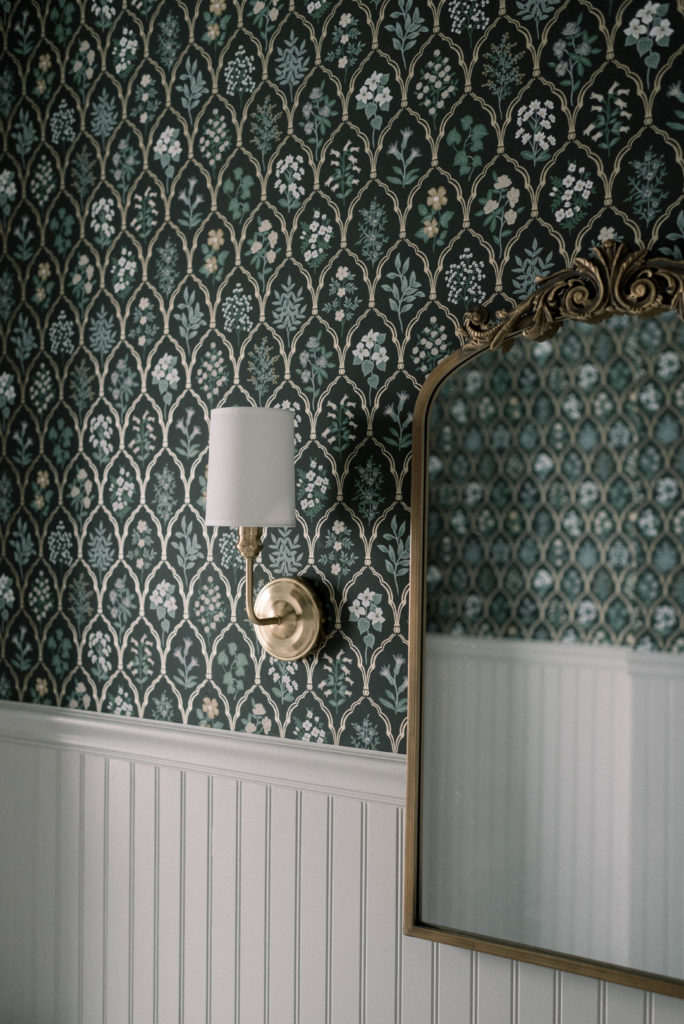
249 545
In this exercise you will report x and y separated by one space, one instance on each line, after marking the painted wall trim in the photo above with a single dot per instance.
279 762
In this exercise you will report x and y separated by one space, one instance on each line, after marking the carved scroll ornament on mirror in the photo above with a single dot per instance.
545 819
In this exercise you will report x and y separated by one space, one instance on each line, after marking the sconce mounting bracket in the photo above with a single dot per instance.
299 631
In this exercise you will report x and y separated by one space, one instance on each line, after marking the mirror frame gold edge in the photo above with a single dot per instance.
615 280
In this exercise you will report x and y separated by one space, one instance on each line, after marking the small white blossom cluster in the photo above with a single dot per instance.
81 490
370 348
568 201
467 14
125 267
367 607
60 334
41 389
126 48
432 343
80 697
165 374
311 730
167 147
534 122
8 393
8 190
43 184
83 64
163 600
124 491
320 232
436 87
99 651
289 171
314 483
649 21
6 593
106 11
239 73
102 218
463 279
263 720
494 203
63 123
237 310
285 674
59 545
120 704
100 437
375 91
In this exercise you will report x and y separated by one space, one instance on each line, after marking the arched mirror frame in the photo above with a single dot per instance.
615 280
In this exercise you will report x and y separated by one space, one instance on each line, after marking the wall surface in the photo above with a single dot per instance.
289 204
152 874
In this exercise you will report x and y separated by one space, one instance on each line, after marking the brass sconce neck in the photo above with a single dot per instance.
287 613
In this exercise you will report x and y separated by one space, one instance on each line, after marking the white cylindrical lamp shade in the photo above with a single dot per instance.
250 477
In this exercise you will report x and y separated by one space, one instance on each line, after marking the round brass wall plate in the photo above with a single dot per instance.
299 632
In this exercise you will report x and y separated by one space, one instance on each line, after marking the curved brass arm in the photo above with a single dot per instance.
249 546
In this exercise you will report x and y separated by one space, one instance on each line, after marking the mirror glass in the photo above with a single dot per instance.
552 761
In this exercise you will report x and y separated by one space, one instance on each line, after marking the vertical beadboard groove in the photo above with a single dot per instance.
475 987
434 984
238 902
515 992
297 923
329 881
398 890
557 997
105 888
182 839
363 898
155 972
267 903
81 903
210 892
131 888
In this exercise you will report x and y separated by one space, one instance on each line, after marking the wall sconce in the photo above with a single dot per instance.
250 480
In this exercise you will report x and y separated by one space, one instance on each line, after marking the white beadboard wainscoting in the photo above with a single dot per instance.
160 874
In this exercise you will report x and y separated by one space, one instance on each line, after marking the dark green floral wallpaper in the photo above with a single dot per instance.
282 204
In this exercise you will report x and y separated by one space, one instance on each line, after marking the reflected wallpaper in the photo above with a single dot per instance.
556 496
276 203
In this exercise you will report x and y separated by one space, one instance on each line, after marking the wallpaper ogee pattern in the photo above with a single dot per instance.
283 204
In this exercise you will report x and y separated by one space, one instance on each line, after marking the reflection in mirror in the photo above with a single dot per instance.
552 765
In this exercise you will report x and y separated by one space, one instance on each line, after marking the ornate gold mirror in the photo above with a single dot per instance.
545 813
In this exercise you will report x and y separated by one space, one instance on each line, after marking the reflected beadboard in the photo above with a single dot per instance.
155 874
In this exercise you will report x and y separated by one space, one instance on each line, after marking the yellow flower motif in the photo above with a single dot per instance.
437 198
44 271
213 30
430 228
217 6
41 686
42 478
210 707
215 239
211 264
44 62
